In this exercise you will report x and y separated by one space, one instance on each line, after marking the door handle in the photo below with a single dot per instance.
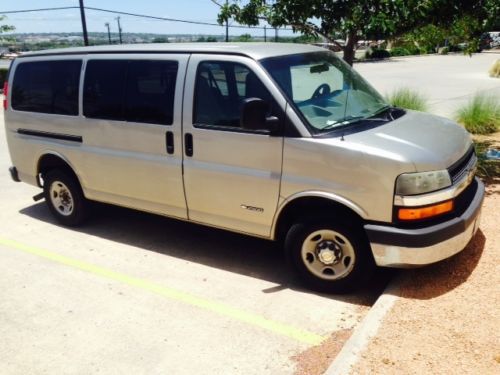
188 144
170 142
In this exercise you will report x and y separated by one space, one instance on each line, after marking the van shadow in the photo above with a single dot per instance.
212 247
442 277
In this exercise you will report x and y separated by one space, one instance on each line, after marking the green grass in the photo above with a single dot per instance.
409 99
481 115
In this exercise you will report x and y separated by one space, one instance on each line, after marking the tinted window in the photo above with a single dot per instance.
47 87
104 89
221 88
134 90
151 91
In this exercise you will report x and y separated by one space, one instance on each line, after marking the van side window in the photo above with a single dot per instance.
47 87
103 89
220 90
130 90
151 91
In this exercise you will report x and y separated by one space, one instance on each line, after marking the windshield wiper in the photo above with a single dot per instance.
352 119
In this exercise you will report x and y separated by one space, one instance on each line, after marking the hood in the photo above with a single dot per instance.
429 142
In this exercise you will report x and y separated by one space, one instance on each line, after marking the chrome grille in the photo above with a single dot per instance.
462 167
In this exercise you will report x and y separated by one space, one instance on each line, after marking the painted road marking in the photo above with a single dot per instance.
217 307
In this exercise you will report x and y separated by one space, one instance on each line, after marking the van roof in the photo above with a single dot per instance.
256 51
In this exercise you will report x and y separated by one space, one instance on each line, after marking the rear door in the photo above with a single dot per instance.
231 175
132 107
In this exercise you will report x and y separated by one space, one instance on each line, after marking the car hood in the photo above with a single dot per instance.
429 142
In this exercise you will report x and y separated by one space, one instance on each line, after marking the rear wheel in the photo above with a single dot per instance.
64 197
329 256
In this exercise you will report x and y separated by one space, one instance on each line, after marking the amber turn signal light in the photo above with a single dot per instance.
418 213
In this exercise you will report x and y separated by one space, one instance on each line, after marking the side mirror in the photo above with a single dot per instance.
254 116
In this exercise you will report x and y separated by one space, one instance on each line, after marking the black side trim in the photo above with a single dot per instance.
13 174
135 51
63 137
427 236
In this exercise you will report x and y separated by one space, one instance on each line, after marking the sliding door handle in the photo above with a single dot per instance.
170 142
188 144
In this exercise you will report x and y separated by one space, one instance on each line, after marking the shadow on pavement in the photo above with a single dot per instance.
440 278
217 248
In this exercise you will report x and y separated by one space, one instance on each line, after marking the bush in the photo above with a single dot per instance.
400 51
3 76
377 54
444 50
481 115
495 69
409 99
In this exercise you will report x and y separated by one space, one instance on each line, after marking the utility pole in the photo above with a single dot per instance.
84 24
109 33
265 33
227 26
119 29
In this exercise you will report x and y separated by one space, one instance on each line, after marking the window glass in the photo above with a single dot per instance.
104 89
221 88
151 91
47 87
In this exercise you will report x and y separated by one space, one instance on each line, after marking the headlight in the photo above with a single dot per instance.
422 182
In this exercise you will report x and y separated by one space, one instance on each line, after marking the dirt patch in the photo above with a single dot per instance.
447 318
315 360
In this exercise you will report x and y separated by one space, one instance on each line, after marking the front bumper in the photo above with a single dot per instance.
398 247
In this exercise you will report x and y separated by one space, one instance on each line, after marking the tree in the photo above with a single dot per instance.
5 28
244 38
352 20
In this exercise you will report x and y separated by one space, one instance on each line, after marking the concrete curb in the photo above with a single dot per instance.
349 355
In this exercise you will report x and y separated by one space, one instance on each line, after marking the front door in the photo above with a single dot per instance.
231 175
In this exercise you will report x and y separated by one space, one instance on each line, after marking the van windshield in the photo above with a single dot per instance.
327 91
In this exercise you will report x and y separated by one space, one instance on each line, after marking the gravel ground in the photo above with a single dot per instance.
446 320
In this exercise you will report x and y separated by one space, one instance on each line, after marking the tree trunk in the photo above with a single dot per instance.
350 47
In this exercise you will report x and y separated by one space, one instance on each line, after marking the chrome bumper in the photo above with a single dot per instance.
394 247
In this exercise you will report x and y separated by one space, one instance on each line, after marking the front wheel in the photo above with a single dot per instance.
65 198
329 257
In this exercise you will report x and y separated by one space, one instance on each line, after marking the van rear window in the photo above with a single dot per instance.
130 90
47 87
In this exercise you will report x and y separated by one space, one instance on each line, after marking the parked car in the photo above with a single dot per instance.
283 142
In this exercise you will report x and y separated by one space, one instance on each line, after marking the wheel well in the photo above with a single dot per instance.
49 162
312 208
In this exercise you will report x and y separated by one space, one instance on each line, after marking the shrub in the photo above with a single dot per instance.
481 115
444 50
3 75
495 69
400 51
377 53
409 99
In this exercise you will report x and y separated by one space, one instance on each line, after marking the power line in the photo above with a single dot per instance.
139 15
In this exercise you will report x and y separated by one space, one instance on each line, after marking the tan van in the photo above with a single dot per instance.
284 142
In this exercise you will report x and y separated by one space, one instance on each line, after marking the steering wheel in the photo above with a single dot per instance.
322 90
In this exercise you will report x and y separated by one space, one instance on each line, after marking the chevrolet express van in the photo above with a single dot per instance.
280 141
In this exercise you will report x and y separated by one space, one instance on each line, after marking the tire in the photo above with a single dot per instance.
64 198
329 257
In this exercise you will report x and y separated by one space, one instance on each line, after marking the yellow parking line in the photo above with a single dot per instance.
220 308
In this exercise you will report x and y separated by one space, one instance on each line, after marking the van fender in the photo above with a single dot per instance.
60 156
315 194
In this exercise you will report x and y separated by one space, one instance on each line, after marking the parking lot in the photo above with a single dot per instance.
138 293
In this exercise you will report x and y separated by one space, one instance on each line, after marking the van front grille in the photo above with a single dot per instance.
462 167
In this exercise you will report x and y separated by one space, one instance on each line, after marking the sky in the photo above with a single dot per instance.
69 20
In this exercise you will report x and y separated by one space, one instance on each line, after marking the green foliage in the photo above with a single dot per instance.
400 51
355 19
5 28
409 99
481 115
428 37
160 39
444 51
495 69
3 76
244 38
